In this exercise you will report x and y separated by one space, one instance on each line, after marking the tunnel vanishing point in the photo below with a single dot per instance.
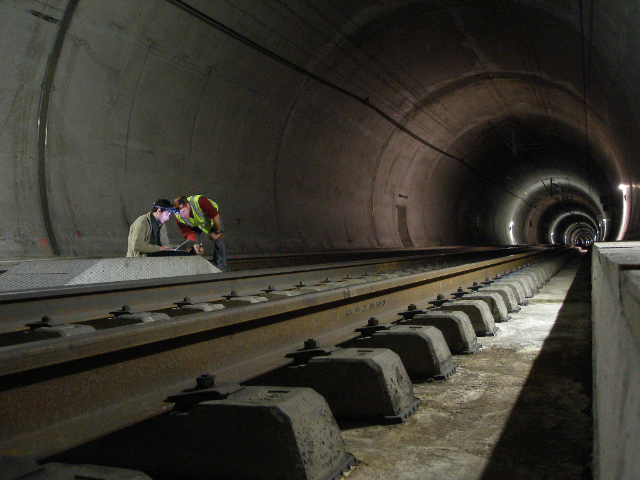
320 125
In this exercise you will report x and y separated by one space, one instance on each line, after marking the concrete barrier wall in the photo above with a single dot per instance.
616 360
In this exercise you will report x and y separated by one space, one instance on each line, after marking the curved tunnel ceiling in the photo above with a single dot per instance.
320 125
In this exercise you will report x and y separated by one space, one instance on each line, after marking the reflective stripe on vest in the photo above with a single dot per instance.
199 220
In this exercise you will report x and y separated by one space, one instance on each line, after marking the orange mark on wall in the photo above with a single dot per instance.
45 243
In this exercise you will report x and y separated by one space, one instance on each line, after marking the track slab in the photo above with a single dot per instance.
520 407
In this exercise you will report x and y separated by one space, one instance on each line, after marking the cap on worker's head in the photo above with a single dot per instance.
180 202
162 204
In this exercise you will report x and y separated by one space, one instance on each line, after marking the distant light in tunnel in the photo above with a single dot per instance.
625 212
579 234
513 240
565 236
604 229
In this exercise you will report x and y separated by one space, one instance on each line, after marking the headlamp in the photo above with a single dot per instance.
168 209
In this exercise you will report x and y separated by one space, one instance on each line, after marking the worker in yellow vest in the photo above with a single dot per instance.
198 217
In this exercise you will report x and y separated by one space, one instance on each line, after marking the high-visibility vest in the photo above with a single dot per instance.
199 220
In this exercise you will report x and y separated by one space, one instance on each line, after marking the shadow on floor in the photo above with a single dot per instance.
549 432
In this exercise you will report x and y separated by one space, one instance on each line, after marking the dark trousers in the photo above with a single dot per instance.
219 254
219 258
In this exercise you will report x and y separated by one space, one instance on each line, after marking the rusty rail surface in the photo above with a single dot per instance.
77 303
58 393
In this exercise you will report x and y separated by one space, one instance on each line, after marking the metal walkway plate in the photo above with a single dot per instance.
59 273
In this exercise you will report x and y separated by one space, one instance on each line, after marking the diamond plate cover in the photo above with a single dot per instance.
59 273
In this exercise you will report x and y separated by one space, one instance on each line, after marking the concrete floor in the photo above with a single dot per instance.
520 408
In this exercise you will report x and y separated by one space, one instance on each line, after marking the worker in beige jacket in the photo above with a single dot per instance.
148 234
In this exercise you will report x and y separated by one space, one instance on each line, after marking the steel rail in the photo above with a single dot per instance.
59 393
77 303
277 260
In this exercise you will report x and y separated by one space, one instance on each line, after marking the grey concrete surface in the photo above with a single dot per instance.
616 362
318 125
519 408
59 273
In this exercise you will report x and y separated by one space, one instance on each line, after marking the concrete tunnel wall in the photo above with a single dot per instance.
370 126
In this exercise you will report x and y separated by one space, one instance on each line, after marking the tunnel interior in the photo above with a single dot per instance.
543 182
317 125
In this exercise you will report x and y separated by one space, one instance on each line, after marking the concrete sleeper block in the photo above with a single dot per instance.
524 285
364 383
455 326
537 274
423 349
255 432
478 312
545 272
529 281
516 288
507 295
62 471
360 383
495 303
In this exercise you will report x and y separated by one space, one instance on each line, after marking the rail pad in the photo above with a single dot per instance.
349 462
445 374
401 417
489 333
471 350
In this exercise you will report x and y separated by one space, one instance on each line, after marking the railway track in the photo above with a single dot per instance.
105 357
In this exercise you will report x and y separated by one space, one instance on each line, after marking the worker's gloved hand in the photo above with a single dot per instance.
165 247
197 248
214 236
